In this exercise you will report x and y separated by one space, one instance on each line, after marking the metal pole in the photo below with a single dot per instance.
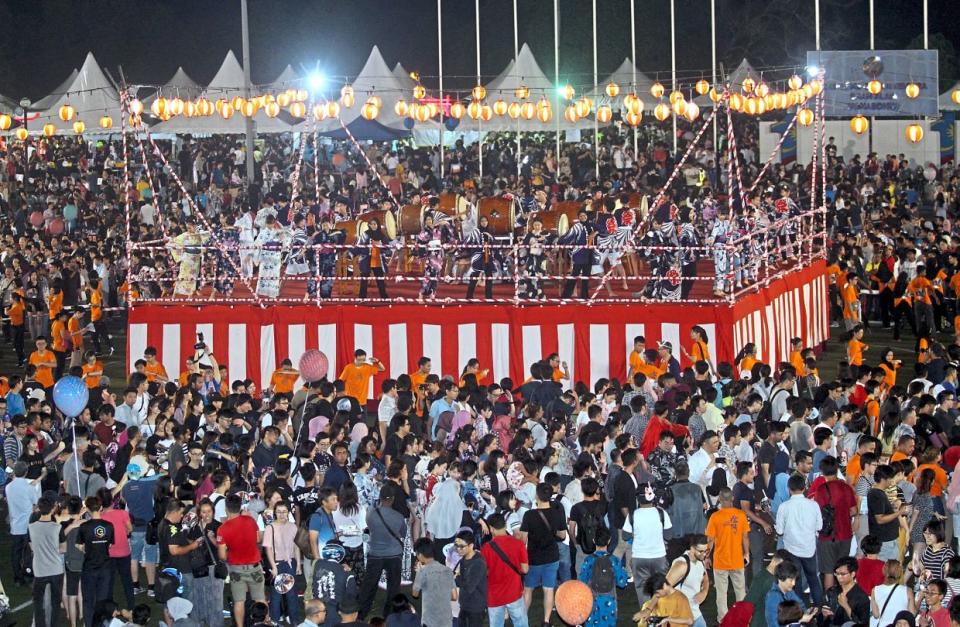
440 72
872 47
873 120
596 124
633 62
926 25
251 129
713 79
673 66
816 15
479 118
556 70
516 54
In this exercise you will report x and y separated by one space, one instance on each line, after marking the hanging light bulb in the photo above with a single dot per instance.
912 90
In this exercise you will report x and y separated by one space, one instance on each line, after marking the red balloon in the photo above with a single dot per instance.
36 218
56 226
313 365
574 601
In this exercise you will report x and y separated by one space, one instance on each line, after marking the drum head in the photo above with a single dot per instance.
563 224
389 224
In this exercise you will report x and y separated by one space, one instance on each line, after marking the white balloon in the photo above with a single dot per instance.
930 173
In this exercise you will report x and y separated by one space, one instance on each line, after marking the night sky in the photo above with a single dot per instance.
44 39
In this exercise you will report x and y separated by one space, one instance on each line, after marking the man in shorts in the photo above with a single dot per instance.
237 540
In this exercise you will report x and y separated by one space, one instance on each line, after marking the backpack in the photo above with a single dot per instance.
828 513
445 421
602 580
587 532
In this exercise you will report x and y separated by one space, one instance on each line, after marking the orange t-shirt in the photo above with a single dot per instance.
283 382
96 305
699 351
851 302
73 327
940 479
797 362
416 380
854 469
55 304
747 363
889 375
44 374
57 332
93 381
897 456
833 272
16 311
855 349
356 380
636 362
375 256
155 371
651 371
872 407
920 287
727 528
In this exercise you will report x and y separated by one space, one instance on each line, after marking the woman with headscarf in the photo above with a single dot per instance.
444 516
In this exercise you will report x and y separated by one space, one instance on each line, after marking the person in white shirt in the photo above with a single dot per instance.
649 550
704 461
387 407
126 412
799 521
688 574
248 235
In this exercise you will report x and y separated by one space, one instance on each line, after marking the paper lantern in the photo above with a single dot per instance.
761 90
679 107
816 86
283 99
955 96
702 86
49 130
545 114
189 108
486 113
570 114
79 127
265 98
795 82
346 90
633 119
158 107
522 92
613 90
912 90
369 111
249 109
656 90
237 103
219 105
692 112
5 122
479 92
302 95
874 87
106 122
226 111
333 108
736 102
568 92
319 111
375 101
748 85
914 133
514 110
859 124
500 107
629 101
714 94
136 107
176 106
604 114
574 600
805 117
272 109
528 110
675 95
22 134
750 106
661 111
474 110
401 107
298 109
67 112
583 108
419 92
347 100
457 110
543 103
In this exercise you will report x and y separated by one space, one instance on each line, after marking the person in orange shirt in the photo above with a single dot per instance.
889 365
100 334
921 289
699 351
284 378
76 330
418 380
16 312
930 458
154 369
796 356
473 367
850 297
45 362
746 358
356 376
55 302
636 356
92 370
60 341
904 448
871 406
855 346
558 368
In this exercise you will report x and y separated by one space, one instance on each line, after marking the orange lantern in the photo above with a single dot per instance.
369 111
762 90
568 92
479 92
419 92
423 113
692 112
714 94
375 101
401 108
680 107
249 108
570 113
736 102
22 134
604 114
874 87
457 110
912 90
49 130
346 90
333 108
347 100
79 127
545 114
158 107
522 92
955 96
175 106
5 122
67 112
748 85
805 117
702 86
237 103
434 109
189 108
795 82
634 119
656 90
227 110
486 113
613 90
661 111
750 106
514 110
859 124
543 103
136 107
474 110
675 95
319 112
500 107
583 107
204 107
284 99
298 110
816 86
528 110
221 103
136 120
914 133
631 102
302 95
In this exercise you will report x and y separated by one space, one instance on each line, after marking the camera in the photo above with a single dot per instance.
655 620
199 346
721 460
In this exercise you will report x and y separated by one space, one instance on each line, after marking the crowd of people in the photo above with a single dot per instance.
818 500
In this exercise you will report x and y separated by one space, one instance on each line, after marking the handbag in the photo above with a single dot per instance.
219 566
302 540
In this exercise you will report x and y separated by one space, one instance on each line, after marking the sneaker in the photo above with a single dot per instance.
151 593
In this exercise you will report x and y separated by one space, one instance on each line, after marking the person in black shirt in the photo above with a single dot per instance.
95 537
307 498
846 602
882 517
541 528
192 472
396 487
175 545
338 472
586 517
399 427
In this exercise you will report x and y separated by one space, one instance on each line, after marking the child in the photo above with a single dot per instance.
604 573
434 582
870 567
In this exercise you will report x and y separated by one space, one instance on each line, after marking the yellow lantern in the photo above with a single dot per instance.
333 108
523 92
158 107
805 117
227 110
613 90
298 110
419 91
500 107
680 107
750 106
874 87
5 122
807 91
702 86
543 103
514 110
189 108
859 124
347 100
434 109
106 122
582 108
474 110
634 119
656 90
692 112
249 109
22 134
67 112
568 92
79 127
423 113
795 82
914 133
736 102
375 101
136 107
49 130
237 103
816 86
661 112
479 92
486 113
570 113
748 85
955 96
136 120
761 90
401 108
319 112
457 110
604 114
221 103
284 99
346 90
175 106
369 111
628 101
714 94
912 90
528 110
545 114
675 95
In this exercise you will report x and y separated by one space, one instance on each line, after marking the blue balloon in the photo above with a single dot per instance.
408 123
451 123
71 395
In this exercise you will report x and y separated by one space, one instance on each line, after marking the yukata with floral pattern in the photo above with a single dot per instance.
604 612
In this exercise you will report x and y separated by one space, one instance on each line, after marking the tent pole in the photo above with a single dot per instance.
633 60
596 123
251 128
516 54
556 70
816 17
479 118
440 72
713 79
926 25
673 66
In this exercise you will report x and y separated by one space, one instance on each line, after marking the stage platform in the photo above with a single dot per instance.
595 340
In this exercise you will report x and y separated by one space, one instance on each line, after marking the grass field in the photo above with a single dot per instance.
116 369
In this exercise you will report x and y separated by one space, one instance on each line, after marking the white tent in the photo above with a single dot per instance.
403 77
180 85
946 100
44 103
623 76
288 79
226 84
90 94
734 79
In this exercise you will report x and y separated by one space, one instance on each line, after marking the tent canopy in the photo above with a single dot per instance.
44 103
366 130
227 83
403 77
946 100
624 77
288 79
180 85
90 94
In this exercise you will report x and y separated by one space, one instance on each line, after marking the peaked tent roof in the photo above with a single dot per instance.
44 103
90 94
288 79
403 76
227 83
180 85
743 70
946 101
623 76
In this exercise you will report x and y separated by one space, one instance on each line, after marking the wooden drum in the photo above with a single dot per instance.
385 217
500 213
351 230
453 205
553 221
411 219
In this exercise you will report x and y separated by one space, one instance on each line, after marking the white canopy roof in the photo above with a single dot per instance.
743 71
623 76
288 79
44 103
946 100
227 83
403 76
180 85
90 94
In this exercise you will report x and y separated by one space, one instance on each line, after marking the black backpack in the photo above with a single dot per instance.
602 580
828 514
587 532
